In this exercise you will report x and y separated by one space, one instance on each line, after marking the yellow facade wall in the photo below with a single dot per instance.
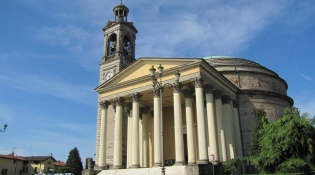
45 165
13 166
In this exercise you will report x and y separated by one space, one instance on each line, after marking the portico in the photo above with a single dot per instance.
205 105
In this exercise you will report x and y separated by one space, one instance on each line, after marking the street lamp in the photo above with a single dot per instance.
158 86
212 162
4 127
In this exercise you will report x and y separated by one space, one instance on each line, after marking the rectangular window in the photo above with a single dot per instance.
25 169
4 171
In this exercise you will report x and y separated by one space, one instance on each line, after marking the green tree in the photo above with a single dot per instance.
232 165
62 170
287 145
260 119
74 163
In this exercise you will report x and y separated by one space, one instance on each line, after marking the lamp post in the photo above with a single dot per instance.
158 86
212 162
4 127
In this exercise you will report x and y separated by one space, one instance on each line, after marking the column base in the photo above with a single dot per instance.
157 164
215 162
105 167
117 167
135 166
205 161
179 163
192 163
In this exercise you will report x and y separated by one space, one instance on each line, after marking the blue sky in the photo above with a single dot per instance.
50 52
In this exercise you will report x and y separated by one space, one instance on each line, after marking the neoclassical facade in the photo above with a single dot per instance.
207 115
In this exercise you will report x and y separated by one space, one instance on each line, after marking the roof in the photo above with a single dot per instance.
121 7
30 158
38 158
60 163
11 156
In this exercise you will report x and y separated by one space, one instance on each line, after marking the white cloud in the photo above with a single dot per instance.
197 30
307 77
51 85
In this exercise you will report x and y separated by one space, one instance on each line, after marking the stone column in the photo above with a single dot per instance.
157 128
191 146
201 128
152 139
145 142
135 162
237 131
220 125
228 126
103 135
212 135
178 125
129 134
117 162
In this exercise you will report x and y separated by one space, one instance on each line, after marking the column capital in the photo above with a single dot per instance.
127 110
155 92
128 105
188 93
226 99
119 101
114 106
145 110
235 104
217 94
104 104
198 82
136 97
177 87
208 89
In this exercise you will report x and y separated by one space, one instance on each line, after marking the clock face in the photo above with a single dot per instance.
109 75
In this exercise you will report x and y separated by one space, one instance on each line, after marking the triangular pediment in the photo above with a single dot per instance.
136 77
140 70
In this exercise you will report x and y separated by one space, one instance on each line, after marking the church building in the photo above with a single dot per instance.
176 113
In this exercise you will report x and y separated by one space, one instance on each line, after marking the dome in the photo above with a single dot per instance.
121 7
247 74
230 63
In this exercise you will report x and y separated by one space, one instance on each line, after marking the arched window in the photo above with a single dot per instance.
127 45
112 44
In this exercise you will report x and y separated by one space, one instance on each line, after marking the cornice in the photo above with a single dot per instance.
267 93
254 72
111 24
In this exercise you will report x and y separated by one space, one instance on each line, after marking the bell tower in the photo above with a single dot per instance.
119 44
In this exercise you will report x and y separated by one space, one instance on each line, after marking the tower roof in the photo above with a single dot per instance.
120 6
